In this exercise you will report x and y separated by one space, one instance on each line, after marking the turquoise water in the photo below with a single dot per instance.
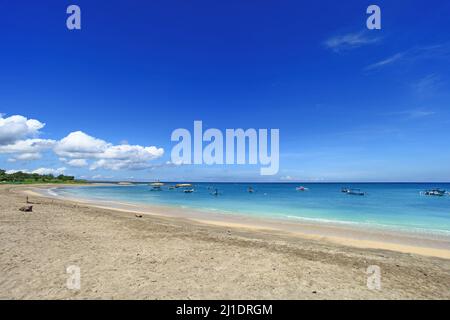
391 205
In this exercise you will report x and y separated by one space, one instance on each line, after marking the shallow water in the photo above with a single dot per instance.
386 205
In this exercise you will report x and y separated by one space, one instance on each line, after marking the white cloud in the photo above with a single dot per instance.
78 163
396 57
55 172
17 138
17 127
27 146
26 150
412 113
79 145
111 164
432 52
428 85
14 171
25 157
133 153
350 41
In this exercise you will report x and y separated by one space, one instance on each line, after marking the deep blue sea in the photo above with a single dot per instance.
386 205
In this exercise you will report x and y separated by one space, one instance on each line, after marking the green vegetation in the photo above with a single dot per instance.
28 178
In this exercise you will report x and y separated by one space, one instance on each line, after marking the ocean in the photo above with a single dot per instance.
395 206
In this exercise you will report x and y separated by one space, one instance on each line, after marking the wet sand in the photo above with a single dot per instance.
156 256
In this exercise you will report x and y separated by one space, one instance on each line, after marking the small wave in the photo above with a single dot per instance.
409 229
52 192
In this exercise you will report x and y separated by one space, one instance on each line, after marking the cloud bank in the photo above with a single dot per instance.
18 139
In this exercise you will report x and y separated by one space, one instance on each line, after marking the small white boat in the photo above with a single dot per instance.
183 185
356 192
188 191
156 186
435 192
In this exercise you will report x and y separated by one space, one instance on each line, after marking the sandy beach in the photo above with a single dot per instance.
122 256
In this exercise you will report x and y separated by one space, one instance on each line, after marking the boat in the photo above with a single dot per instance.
156 186
345 190
435 192
301 188
183 185
188 191
250 190
171 187
356 192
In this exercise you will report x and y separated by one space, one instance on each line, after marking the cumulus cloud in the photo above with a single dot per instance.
26 150
27 146
25 157
17 127
43 171
79 145
54 172
78 163
78 149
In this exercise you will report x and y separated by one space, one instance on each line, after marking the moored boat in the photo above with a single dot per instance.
183 185
356 192
435 192
156 186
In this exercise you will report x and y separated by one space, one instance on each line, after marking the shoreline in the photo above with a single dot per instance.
124 256
342 234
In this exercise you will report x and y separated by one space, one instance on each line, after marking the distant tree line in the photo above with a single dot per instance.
23 177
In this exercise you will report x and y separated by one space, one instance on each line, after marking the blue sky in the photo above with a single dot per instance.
351 104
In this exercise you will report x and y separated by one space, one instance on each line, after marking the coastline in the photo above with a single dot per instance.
342 234
122 256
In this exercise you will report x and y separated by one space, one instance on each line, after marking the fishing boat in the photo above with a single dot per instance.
183 185
156 186
188 190
301 188
435 192
356 192
124 183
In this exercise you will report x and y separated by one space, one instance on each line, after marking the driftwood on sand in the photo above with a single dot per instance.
26 209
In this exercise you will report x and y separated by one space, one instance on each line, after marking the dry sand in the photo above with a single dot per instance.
154 257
